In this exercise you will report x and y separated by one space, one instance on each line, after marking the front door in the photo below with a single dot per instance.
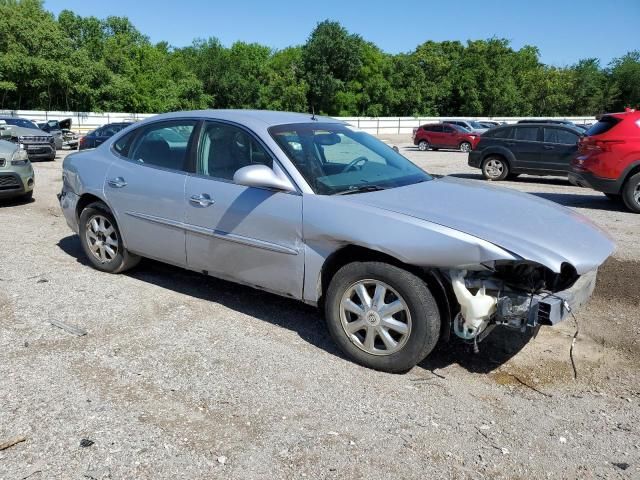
145 189
244 234
449 137
526 147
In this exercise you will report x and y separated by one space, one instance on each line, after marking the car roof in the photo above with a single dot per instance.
266 118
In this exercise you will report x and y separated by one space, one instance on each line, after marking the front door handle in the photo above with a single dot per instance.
548 147
117 182
203 200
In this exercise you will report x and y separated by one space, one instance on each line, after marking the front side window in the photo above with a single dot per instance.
529 134
337 159
163 144
224 149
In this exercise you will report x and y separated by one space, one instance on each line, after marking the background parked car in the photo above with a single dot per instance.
38 144
470 125
489 123
608 158
99 135
536 148
444 135
16 173
52 127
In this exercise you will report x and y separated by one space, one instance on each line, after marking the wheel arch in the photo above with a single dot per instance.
87 199
506 154
439 286
631 170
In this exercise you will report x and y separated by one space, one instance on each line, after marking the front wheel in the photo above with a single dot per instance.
381 316
631 193
465 147
423 145
102 242
495 168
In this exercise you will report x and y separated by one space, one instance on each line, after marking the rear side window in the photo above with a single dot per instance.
529 134
121 146
604 125
163 144
559 135
498 133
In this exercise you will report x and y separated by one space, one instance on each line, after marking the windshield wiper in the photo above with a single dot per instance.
361 189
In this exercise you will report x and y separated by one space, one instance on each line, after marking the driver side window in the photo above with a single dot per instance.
224 149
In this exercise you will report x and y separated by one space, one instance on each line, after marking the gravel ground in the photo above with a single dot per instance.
184 376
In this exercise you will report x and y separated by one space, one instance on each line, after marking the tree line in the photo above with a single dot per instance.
79 63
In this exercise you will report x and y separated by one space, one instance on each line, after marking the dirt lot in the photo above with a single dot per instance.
184 376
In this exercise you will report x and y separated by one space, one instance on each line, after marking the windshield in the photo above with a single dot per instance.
335 158
21 122
476 125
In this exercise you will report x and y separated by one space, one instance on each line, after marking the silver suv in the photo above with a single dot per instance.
39 145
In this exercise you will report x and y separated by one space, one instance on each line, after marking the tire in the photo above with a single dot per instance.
495 168
465 147
419 316
111 256
631 193
423 145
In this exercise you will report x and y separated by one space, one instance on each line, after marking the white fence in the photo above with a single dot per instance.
85 121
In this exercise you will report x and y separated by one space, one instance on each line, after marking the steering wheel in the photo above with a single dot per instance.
353 163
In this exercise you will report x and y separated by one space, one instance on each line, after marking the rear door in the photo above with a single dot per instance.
559 146
145 188
526 145
435 135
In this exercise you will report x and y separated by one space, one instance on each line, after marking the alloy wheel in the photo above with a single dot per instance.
494 168
375 317
465 147
102 238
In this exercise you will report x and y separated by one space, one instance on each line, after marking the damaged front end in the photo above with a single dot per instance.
516 295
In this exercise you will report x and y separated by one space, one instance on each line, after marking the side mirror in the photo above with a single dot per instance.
263 177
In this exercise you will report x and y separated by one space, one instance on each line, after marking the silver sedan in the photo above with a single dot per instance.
313 209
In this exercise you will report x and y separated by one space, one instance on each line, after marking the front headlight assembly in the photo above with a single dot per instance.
20 157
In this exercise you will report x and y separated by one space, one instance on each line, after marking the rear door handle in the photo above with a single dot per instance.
204 200
117 182
548 147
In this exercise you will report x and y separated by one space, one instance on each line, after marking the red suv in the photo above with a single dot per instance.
608 158
444 135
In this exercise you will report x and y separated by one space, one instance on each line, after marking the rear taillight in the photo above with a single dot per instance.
82 141
588 145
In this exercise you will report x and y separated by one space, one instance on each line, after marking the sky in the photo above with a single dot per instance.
565 31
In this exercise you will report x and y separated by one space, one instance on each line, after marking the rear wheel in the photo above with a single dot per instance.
495 168
465 147
102 242
631 193
381 316
423 145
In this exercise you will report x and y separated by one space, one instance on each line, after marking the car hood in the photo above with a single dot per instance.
527 226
